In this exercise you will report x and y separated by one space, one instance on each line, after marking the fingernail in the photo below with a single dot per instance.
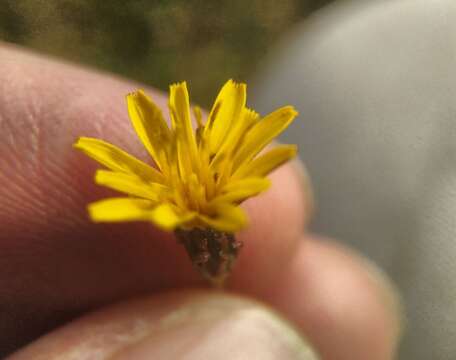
220 326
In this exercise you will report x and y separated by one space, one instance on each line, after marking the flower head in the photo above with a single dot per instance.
201 175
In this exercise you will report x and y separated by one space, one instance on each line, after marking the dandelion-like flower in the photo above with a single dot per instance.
201 176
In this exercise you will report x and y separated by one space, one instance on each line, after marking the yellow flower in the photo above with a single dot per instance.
201 176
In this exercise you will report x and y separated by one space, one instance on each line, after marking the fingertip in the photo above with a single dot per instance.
50 185
176 325
339 302
278 218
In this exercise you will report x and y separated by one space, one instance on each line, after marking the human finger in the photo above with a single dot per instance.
177 325
343 303
54 263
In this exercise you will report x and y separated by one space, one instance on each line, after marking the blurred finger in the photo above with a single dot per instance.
346 306
179 325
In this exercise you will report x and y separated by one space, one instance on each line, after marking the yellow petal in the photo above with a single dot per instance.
263 132
147 119
199 126
235 137
128 209
179 106
229 218
266 163
240 190
205 173
120 209
196 191
247 119
226 110
198 116
166 218
116 159
131 184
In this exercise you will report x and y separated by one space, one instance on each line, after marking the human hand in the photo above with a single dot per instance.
56 265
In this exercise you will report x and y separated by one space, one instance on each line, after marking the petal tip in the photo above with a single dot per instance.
77 143
178 85
134 95
99 176
291 110
93 213
293 149
82 142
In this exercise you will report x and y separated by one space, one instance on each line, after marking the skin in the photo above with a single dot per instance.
55 265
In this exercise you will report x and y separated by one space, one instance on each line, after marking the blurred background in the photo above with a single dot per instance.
156 42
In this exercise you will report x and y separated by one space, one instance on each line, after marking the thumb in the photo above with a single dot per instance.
178 325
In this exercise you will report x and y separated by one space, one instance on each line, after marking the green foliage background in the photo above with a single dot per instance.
156 42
